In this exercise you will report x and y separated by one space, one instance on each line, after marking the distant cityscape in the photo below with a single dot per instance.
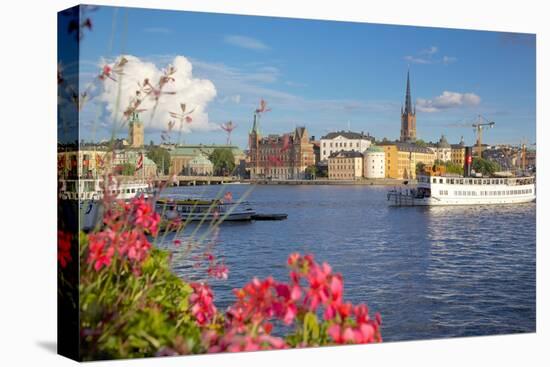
338 155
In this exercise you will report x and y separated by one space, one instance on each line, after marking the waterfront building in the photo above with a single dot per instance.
374 162
347 141
408 117
279 157
402 159
181 155
457 152
135 131
345 165
442 150
199 166
132 158
95 163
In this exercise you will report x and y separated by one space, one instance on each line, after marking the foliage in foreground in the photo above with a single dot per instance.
133 305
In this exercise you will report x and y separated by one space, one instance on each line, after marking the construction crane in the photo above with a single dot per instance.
479 126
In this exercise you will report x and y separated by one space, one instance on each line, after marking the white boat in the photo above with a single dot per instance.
203 210
440 189
85 197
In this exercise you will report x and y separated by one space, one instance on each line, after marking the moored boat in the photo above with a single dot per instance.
203 210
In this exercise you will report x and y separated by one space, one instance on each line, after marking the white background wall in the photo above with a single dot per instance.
28 269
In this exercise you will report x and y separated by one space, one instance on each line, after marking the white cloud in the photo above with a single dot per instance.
236 98
447 100
194 92
430 51
245 42
417 60
429 56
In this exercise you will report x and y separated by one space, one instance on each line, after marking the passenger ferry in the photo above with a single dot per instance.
437 188
199 210
85 197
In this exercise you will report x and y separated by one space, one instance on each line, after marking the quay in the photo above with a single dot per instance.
220 180
364 181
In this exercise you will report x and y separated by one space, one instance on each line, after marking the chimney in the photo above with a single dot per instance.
467 161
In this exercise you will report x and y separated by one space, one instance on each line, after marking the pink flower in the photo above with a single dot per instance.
201 302
99 253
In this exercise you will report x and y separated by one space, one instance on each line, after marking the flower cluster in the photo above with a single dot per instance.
313 288
125 234
202 303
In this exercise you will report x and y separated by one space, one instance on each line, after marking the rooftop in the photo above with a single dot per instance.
348 135
346 154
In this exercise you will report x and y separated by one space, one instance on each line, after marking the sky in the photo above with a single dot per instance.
324 75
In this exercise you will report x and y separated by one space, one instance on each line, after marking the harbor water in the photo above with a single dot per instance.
431 272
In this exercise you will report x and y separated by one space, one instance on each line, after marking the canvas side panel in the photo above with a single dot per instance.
68 335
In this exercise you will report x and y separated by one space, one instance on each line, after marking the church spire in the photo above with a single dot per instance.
408 102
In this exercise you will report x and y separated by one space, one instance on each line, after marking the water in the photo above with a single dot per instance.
430 272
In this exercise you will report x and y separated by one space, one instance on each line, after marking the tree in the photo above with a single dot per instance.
223 161
420 143
311 172
127 169
420 167
484 166
161 157
450 167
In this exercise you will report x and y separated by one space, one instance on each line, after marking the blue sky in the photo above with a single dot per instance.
324 75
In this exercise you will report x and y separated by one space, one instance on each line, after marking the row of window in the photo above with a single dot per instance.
487 193
339 144
476 181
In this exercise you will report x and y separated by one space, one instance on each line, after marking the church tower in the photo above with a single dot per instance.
135 131
408 117
254 147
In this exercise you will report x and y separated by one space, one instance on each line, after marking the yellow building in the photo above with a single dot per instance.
345 165
402 158
457 152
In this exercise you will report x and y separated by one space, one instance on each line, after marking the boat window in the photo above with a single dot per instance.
440 180
434 180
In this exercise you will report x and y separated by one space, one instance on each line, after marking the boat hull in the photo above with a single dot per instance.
406 200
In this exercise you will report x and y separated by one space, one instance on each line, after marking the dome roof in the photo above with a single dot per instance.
443 143
199 160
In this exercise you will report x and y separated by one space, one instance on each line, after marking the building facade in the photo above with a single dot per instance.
442 150
347 141
374 162
457 152
345 165
402 159
199 166
280 157
408 117
181 155
135 132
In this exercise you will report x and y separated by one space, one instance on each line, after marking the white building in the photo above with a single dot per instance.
375 162
347 141
442 150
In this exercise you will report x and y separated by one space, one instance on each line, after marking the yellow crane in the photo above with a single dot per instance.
479 126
